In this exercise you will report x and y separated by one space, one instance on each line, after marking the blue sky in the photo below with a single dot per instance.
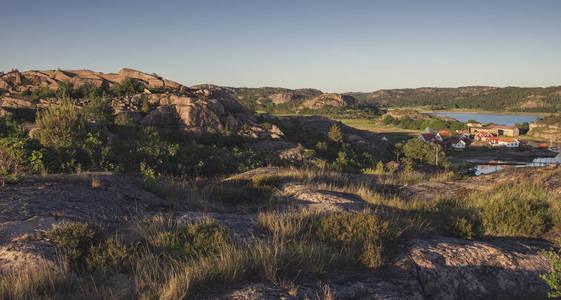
330 45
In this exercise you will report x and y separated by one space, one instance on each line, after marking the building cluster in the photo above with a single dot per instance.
493 135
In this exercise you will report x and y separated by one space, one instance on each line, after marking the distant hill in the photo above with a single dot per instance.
265 98
469 97
516 99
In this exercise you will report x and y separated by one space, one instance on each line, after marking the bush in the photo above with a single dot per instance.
10 168
335 134
145 107
42 93
127 87
365 236
61 126
515 217
553 276
109 256
9 127
191 241
75 239
513 209
65 89
98 110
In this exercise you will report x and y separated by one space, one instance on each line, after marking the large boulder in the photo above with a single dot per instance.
197 114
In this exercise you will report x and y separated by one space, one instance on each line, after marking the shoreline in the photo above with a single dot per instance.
501 157
475 112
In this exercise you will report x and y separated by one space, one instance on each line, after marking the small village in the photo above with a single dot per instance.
476 136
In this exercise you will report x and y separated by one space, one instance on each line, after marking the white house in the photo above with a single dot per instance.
459 145
510 143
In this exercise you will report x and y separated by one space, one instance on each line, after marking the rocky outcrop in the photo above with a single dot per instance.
431 267
546 131
15 82
280 98
435 268
337 100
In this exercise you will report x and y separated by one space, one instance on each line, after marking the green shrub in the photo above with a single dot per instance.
365 236
335 134
515 217
239 192
145 107
9 127
10 168
61 126
553 276
149 177
65 89
460 227
98 110
75 239
42 92
127 87
191 241
266 181
111 255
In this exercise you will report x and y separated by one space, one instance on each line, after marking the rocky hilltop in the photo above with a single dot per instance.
172 107
263 95
176 108
16 82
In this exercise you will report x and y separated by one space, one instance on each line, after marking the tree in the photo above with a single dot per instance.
60 126
98 110
65 89
430 154
335 134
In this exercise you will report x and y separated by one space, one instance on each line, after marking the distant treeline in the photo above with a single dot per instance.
487 98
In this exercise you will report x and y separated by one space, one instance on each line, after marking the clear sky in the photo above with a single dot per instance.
330 45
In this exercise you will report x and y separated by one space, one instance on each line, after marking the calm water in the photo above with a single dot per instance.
537 162
508 120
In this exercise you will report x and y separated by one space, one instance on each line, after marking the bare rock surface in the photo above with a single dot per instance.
436 268
333 99
71 196
19 81
324 200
